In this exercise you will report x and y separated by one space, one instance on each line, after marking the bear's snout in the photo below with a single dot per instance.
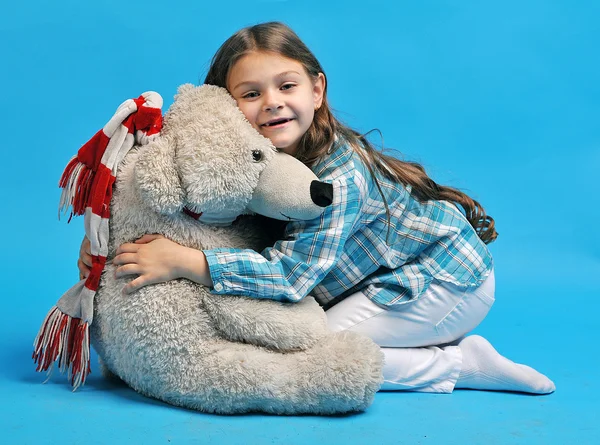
321 193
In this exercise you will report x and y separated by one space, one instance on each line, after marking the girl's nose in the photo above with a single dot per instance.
272 102
272 106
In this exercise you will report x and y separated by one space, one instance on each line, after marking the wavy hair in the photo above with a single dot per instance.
278 38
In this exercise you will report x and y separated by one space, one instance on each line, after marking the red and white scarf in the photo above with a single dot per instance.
87 184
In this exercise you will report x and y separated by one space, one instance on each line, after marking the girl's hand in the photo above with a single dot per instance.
155 259
152 257
84 263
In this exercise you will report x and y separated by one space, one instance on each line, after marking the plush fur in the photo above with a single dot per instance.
176 341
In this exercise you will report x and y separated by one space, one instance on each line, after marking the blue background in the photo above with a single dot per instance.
500 99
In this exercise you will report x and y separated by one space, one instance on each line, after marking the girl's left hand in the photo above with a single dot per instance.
154 258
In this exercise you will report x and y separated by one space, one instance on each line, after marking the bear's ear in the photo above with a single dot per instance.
157 178
184 89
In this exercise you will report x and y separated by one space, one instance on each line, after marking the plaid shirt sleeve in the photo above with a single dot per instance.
290 269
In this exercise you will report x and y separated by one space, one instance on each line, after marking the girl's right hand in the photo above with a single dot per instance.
84 263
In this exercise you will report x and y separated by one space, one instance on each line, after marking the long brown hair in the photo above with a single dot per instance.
278 38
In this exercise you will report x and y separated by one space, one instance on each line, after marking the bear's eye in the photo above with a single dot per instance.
257 155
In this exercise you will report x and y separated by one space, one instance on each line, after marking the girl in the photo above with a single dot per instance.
396 256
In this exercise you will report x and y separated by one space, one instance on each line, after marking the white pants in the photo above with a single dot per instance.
417 338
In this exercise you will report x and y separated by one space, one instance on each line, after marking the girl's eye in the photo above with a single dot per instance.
288 86
250 95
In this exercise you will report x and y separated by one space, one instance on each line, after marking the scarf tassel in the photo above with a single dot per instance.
76 182
65 340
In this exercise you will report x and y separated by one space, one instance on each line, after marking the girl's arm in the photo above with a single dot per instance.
156 259
288 271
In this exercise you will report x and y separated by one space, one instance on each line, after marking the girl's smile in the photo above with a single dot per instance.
277 123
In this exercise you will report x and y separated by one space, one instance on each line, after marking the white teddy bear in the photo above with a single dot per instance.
176 341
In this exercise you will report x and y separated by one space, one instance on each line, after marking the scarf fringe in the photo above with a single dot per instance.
65 340
76 182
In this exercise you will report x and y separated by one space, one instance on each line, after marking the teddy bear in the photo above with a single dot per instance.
198 184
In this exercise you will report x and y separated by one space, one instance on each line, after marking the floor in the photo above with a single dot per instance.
501 100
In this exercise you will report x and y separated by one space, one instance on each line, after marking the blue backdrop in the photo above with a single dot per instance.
500 99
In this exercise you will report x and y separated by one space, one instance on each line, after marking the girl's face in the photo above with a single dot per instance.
277 96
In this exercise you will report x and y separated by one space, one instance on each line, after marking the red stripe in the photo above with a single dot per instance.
93 280
101 190
139 102
149 119
146 119
91 152
129 123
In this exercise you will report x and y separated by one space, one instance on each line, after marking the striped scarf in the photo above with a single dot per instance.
87 184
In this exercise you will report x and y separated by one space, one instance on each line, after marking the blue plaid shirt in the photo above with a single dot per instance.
348 249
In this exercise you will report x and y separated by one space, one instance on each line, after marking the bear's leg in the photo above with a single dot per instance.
280 326
339 374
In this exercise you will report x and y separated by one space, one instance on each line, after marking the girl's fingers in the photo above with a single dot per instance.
125 258
86 259
86 246
147 238
134 247
127 248
127 269
84 270
85 255
136 284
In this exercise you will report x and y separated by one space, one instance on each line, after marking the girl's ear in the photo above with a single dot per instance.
319 90
157 178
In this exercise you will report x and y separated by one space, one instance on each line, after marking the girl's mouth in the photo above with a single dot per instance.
277 123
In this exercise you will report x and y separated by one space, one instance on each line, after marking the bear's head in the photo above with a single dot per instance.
209 162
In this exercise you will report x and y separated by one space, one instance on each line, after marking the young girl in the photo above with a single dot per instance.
394 257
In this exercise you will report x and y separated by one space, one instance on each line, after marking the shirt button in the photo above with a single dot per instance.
218 287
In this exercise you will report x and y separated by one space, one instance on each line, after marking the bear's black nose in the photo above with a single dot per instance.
321 193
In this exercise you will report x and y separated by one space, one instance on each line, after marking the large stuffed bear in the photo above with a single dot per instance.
176 341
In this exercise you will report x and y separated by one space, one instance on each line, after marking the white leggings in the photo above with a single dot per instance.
417 338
